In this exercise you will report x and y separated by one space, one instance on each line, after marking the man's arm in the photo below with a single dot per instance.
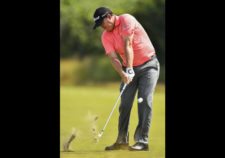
129 50
118 67
129 55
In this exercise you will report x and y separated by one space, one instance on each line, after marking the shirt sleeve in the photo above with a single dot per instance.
128 25
107 43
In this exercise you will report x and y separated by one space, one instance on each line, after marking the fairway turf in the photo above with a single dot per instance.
78 102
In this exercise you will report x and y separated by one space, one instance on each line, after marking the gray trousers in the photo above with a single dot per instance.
144 82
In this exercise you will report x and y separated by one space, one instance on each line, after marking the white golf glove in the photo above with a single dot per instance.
130 72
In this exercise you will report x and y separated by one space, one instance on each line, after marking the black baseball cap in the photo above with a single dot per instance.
99 15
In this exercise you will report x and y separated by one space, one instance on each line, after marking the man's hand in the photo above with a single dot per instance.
130 72
127 76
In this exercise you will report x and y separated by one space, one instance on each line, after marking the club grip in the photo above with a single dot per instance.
124 86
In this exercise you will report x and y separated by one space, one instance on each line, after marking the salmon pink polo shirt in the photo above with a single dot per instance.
125 25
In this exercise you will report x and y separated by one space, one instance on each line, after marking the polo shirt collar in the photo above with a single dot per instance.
117 21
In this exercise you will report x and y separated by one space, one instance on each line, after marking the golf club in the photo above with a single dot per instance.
101 133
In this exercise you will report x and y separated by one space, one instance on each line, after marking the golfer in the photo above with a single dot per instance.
124 37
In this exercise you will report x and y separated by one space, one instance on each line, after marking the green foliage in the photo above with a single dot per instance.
97 70
78 38
151 14
76 33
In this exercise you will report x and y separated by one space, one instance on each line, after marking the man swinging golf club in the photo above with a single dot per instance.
124 35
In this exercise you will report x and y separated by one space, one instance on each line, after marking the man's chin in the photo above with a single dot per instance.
110 30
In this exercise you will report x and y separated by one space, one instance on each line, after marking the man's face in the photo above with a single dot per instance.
108 23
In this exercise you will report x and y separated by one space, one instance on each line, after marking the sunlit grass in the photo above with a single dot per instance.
77 101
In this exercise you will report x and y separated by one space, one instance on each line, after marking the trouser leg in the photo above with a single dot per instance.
127 99
146 87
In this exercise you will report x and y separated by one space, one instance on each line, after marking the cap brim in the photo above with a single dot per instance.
97 24
94 27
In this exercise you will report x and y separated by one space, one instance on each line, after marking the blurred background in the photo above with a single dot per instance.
82 56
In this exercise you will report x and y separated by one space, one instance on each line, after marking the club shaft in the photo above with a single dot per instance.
113 108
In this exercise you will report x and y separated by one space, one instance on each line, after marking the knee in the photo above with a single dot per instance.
149 101
146 101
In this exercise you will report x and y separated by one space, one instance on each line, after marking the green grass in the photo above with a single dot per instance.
77 101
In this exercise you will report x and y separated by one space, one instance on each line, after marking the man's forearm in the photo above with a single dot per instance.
129 50
129 56
117 66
